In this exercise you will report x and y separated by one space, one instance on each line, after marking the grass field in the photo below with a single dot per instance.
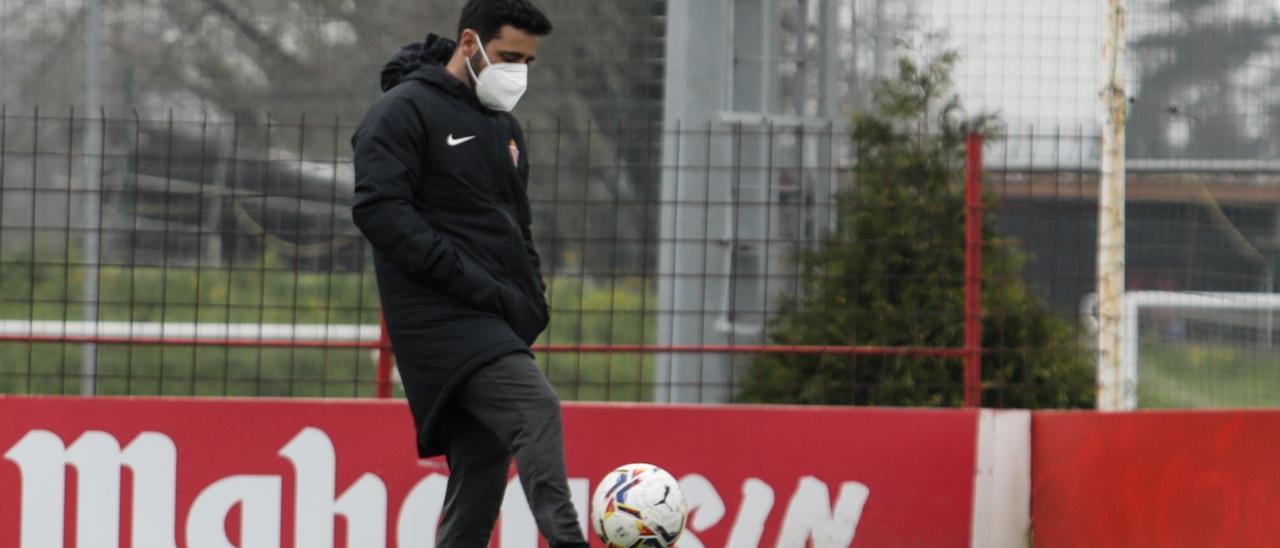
584 313
1207 376
1172 374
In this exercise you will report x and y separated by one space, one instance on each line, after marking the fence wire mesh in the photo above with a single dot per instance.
224 173
227 265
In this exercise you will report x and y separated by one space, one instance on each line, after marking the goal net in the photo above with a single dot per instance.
1201 349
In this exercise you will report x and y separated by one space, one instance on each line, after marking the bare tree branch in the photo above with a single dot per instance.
259 39
41 68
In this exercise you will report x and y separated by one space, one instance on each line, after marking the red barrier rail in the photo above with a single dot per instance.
386 358
239 342
383 343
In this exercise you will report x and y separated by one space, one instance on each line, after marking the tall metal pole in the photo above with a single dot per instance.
801 99
854 91
1116 389
698 80
93 148
878 37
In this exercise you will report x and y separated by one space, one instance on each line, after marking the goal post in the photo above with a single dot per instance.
1240 322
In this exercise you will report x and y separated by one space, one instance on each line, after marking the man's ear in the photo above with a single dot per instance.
469 42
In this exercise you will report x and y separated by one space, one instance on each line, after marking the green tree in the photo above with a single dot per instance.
1203 75
891 274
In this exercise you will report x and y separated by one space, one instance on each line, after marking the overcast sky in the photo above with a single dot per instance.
1033 61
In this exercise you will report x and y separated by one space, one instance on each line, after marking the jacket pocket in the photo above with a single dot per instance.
475 287
527 317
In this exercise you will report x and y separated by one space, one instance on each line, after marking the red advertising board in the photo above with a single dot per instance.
1164 479
248 473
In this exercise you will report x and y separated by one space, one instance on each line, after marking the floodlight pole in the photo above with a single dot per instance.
1114 393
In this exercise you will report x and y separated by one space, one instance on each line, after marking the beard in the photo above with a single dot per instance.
478 64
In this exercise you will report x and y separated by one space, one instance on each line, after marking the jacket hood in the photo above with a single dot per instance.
435 50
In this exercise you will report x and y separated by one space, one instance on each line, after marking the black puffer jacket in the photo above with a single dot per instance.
440 193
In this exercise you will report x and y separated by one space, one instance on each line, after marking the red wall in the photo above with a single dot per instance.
1165 479
895 477
916 467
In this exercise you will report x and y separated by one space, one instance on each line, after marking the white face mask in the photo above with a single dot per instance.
501 85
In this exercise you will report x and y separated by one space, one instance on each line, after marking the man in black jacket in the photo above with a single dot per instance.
441 179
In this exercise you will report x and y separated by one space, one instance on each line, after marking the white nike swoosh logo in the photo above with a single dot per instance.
455 142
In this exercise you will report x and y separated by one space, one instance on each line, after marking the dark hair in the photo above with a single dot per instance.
487 17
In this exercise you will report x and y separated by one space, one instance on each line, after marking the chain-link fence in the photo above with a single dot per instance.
225 170
226 264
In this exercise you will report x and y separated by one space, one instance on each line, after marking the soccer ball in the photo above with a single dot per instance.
638 505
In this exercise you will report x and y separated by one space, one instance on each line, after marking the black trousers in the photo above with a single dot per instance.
506 408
